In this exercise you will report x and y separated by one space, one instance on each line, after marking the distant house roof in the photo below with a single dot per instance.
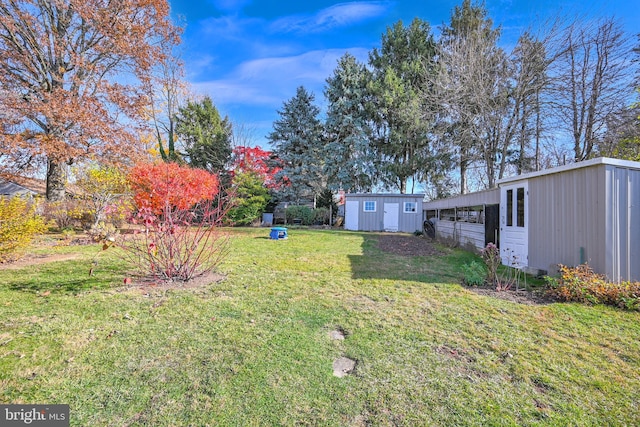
9 188
11 185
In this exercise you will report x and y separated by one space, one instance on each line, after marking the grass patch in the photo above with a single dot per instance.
255 349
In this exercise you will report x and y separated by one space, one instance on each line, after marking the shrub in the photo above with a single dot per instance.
177 244
250 198
582 284
474 274
180 219
18 226
303 213
104 188
491 258
68 213
156 185
321 216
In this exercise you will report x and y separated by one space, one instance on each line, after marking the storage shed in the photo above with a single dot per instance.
383 212
582 212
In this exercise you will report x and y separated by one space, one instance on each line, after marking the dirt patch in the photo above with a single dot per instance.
535 297
407 245
146 283
36 260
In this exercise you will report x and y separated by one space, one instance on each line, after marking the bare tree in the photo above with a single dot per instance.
591 81
475 94
167 93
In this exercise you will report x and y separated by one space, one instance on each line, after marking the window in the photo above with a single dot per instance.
520 206
509 208
410 207
369 206
471 214
448 214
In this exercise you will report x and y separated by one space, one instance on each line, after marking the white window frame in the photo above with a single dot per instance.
364 206
415 207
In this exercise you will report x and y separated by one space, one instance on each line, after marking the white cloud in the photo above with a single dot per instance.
270 81
339 15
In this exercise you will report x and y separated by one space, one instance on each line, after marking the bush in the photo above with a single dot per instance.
303 213
104 189
250 197
18 226
474 274
68 214
177 244
491 258
156 185
180 217
321 216
582 284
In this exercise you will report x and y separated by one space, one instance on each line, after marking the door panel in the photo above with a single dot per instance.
514 229
391 214
351 212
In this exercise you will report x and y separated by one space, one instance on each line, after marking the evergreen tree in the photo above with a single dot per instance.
402 71
205 135
349 156
297 143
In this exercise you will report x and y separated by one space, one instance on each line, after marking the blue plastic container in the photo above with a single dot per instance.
278 233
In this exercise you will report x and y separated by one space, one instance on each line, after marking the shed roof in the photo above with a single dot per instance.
628 164
394 195
488 197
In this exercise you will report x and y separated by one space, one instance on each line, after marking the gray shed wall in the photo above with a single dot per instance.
586 214
622 223
567 215
374 221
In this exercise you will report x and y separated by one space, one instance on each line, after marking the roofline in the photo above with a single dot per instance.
385 195
578 165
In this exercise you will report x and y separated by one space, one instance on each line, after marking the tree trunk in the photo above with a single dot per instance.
56 180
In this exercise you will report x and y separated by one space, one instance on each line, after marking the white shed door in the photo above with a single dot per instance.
391 214
514 224
351 212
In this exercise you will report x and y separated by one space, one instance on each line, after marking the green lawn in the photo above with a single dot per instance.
255 350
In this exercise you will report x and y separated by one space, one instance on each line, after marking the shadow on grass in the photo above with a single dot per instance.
443 265
65 277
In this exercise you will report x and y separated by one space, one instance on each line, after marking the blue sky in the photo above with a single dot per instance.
250 56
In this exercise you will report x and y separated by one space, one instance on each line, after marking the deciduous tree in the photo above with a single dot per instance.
592 81
72 78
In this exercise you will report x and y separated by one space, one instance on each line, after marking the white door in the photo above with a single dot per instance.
351 212
514 220
391 213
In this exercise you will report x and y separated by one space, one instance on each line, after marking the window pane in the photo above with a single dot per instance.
509 208
410 207
370 206
520 195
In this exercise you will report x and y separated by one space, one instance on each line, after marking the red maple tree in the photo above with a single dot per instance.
260 162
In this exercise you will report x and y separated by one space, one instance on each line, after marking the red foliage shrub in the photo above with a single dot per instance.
178 244
582 284
157 185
